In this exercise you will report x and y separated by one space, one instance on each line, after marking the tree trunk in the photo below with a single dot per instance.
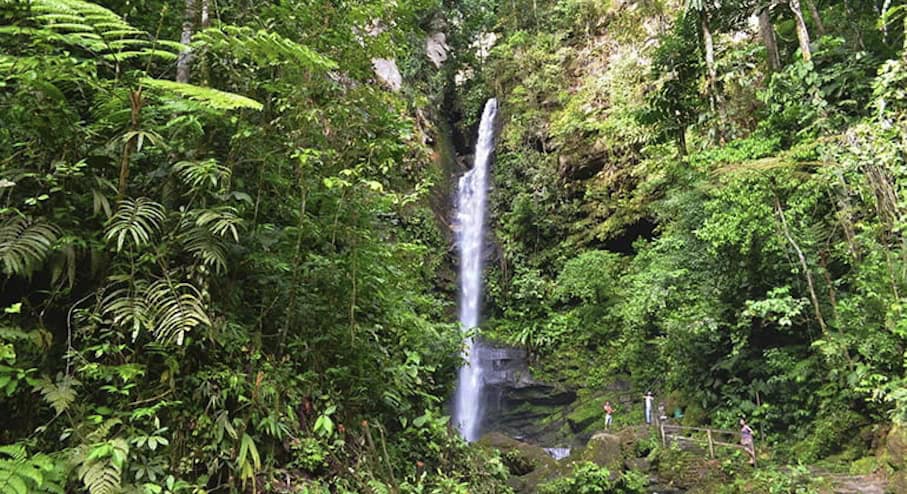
135 105
802 31
817 19
206 20
767 30
709 46
184 61
810 283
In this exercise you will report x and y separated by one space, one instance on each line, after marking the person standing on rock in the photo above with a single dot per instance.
609 411
746 440
648 400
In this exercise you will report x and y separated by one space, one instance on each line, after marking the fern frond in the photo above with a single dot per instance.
262 47
126 55
25 244
220 100
102 464
101 477
93 27
137 220
202 231
103 431
167 309
59 395
24 474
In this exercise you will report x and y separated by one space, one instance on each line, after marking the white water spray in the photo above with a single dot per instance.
470 220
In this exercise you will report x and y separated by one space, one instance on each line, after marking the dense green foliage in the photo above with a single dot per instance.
221 271
223 285
735 244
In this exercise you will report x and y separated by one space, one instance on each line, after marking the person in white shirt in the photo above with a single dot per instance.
649 399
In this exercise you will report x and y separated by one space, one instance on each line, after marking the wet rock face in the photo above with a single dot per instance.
513 402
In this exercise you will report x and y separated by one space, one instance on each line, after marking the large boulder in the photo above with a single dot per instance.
529 465
605 450
388 73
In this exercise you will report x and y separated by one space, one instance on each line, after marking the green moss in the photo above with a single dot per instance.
866 465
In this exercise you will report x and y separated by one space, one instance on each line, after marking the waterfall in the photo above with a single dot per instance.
470 223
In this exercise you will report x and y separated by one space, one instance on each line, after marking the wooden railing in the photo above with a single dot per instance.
701 436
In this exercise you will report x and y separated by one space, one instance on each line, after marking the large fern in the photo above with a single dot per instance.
24 474
261 47
97 29
219 100
59 394
204 174
25 243
101 460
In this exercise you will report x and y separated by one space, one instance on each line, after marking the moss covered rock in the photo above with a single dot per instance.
519 457
605 450
896 455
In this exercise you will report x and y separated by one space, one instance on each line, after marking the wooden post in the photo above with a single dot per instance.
711 444
663 441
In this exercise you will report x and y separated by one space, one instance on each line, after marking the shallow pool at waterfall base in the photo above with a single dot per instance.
558 453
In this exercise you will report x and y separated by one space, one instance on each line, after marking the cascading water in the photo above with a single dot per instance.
470 219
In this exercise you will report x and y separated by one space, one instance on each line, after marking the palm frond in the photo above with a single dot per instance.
201 174
135 220
25 244
176 308
128 309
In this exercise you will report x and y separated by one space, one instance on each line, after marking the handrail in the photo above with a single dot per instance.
699 429
666 433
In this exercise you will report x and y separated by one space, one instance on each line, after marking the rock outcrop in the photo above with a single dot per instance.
896 453
515 403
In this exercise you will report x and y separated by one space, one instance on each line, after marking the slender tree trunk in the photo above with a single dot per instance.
206 19
885 6
135 105
709 45
184 62
767 30
810 283
817 19
845 216
682 141
802 31
858 33
297 264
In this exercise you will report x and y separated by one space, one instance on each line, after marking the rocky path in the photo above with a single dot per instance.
857 484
